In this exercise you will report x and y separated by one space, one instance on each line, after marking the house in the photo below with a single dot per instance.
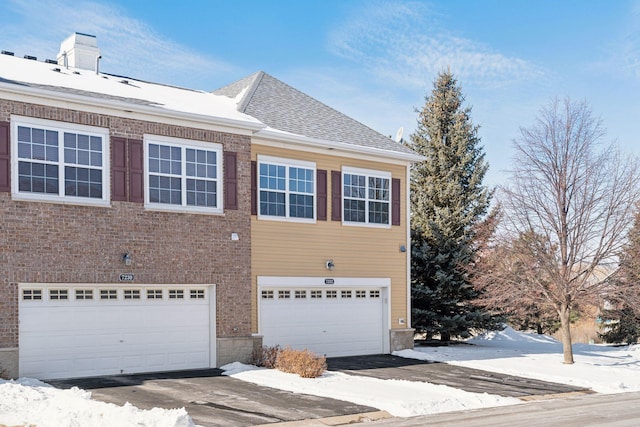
124 221
146 227
329 225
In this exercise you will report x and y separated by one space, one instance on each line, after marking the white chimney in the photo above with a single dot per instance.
79 51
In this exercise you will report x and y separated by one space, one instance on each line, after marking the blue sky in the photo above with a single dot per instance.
373 60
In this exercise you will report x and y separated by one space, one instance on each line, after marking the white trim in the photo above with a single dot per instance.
307 282
408 253
287 163
185 144
60 128
276 135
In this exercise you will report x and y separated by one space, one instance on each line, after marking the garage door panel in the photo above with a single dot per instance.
332 326
104 337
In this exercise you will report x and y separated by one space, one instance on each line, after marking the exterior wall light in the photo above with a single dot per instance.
329 264
126 258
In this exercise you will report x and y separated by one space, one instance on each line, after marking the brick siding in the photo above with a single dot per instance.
56 243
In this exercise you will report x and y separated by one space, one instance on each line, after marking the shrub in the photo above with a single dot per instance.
301 362
265 356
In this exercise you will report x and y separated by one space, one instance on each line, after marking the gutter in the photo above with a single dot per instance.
279 136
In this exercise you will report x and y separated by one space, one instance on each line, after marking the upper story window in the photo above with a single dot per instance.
287 188
57 161
366 196
183 174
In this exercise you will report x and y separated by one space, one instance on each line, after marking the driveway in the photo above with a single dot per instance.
212 399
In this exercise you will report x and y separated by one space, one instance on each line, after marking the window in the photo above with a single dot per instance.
267 294
58 294
361 294
316 294
132 294
345 294
374 294
60 161
82 294
332 294
31 294
284 294
108 294
176 294
196 293
154 293
366 196
287 188
183 174
300 294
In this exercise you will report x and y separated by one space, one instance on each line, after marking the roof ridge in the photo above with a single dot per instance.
242 106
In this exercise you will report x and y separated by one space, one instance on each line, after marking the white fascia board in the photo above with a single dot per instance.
279 136
112 107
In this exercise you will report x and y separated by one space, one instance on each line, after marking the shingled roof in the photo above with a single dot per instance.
285 108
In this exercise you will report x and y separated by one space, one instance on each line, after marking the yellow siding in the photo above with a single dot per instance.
283 248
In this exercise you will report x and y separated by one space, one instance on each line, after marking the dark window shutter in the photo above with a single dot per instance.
321 186
136 171
5 158
254 188
395 201
336 196
230 180
118 169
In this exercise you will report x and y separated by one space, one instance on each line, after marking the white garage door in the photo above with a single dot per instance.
332 322
89 330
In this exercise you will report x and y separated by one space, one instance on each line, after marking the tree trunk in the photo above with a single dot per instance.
539 328
565 330
445 336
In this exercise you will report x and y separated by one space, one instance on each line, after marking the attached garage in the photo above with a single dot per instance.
75 330
332 317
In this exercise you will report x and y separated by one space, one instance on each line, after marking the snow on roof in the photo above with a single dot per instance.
21 74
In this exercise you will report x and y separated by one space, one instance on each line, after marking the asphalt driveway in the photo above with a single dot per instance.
212 399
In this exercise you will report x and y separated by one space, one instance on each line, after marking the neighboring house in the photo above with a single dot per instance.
329 225
124 221
145 227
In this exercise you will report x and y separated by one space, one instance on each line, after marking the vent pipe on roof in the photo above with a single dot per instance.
98 64
79 51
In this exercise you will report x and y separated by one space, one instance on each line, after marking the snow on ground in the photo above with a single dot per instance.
605 369
399 398
27 402
602 368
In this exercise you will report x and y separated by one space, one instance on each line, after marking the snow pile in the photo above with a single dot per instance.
602 368
399 398
32 402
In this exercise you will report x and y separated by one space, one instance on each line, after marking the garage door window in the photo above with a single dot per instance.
267 294
32 294
374 294
284 294
176 294
58 294
332 294
316 294
108 294
154 293
84 294
197 293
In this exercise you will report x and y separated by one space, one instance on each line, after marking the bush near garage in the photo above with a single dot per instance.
302 362
265 356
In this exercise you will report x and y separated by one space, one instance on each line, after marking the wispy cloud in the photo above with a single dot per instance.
405 41
127 45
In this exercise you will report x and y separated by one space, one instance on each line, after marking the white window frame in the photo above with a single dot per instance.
61 128
287 164
367 173
184 144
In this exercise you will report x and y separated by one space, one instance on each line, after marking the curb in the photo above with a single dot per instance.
333 421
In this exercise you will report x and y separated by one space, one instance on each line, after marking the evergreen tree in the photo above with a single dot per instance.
448 200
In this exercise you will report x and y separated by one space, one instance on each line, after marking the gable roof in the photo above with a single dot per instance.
284 108
28 76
